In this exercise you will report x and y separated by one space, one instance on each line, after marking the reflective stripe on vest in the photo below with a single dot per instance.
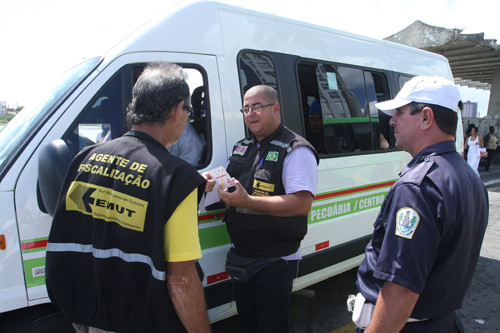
108 253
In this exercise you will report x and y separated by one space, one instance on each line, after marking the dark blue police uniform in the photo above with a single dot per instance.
427 237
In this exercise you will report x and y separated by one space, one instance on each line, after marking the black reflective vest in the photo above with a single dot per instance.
105 263
258 166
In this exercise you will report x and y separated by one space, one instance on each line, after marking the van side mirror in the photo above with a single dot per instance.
53 163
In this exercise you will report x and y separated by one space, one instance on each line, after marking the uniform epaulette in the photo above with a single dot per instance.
245 141
417 174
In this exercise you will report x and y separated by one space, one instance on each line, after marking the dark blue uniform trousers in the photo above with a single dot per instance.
263 303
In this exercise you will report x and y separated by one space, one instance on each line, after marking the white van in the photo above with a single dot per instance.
225 50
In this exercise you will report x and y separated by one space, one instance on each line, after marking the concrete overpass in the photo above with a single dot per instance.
474 61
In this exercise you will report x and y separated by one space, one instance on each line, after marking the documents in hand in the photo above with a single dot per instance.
222 179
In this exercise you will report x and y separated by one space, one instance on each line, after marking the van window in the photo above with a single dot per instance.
256 69
19 131
339 108
198 119
403 78
104 118
377 90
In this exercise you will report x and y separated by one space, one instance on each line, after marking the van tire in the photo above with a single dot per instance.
44 318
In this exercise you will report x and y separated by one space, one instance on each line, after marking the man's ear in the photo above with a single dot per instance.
276 108
427 117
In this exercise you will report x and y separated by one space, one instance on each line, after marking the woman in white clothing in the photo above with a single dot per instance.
474 142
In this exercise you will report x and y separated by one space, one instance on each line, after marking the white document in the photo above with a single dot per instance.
222 179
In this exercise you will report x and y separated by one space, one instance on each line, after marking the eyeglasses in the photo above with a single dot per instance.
255 108
189 109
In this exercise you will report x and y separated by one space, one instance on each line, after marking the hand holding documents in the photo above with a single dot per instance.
222 179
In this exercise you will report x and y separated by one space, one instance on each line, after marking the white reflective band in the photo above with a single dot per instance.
413 320
282 145
107 253
247 142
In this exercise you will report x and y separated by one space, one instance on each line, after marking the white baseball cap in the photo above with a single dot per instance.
424 89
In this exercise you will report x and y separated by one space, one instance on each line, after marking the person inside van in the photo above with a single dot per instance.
315 134
190 146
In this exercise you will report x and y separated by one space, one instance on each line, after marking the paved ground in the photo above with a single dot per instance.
492 176
481 308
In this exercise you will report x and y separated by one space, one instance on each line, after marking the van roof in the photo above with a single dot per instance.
219 29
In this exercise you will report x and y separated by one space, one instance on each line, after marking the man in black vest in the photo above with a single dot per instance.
124 238
275 177
428 234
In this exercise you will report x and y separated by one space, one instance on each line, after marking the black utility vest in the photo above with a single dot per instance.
121 285
258 166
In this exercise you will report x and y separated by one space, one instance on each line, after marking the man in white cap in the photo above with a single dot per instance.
428 234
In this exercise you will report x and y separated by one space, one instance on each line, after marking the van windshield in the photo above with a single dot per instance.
23 127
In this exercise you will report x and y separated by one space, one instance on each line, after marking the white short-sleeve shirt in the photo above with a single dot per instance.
300 174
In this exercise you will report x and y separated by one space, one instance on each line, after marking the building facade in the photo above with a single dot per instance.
470 110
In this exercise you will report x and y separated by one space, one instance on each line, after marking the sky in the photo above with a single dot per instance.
41 39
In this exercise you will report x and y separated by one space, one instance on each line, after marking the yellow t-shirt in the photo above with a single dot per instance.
182 242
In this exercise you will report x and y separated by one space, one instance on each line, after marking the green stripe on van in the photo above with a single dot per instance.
34 272
328 121
213 237
340 208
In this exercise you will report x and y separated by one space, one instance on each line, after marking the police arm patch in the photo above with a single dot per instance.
407 220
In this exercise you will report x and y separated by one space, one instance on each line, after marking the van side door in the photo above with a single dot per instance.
95 112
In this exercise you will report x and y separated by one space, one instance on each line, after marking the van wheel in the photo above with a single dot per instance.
44 318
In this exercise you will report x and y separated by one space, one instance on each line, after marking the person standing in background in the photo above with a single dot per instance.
473 143
491 143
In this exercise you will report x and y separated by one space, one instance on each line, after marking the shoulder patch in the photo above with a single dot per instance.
407 220
240 150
